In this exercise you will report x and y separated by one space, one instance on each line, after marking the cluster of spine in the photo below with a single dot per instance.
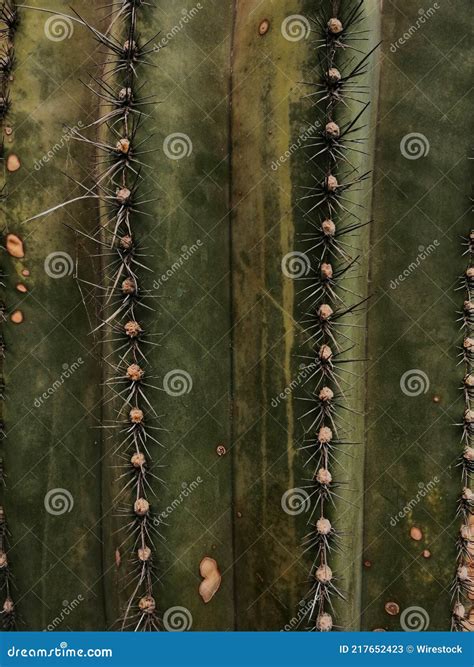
333 221
123 300
9 20
463 584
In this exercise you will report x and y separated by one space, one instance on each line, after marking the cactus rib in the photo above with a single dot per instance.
9 20
330 321
121 294
463 584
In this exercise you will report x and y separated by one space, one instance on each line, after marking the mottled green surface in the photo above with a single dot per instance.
411 440
192 309
227 317
51 443
270 114
267 70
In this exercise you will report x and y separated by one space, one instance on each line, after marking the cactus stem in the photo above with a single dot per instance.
121 294
9 19
326 325
462 588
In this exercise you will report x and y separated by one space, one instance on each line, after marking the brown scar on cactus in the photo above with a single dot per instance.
392 608
416 534
263 27
17 317
211 579
14 246
13 162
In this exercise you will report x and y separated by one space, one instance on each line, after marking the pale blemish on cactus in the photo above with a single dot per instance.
14 246
209 571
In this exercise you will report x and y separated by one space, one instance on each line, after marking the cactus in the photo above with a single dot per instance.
122 602
52 367
336 296
462 588
9 18
129 376
421 206
186 207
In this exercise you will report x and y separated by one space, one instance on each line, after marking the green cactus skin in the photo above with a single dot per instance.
55 558
182 572
134 439
266 206
192 206
462 611
8 614
266 115
346 466
239 457
411 440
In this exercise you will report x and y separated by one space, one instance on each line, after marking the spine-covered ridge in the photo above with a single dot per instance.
9 21
124 300
463 586
333 218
